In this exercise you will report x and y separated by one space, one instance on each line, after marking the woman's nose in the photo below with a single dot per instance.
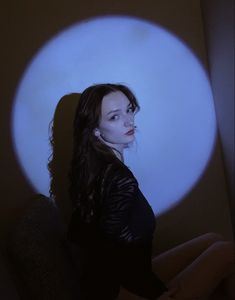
129 121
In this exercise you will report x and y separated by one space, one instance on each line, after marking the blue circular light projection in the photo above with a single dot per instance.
176 124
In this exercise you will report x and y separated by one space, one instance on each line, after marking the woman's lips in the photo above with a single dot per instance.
130 132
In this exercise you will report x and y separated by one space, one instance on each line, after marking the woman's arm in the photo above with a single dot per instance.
129 252
119 195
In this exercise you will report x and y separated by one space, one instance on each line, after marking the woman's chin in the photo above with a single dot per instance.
130 142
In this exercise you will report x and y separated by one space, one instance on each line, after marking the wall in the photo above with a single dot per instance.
26 26
219 28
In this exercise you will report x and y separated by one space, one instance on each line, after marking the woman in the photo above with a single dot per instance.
112 221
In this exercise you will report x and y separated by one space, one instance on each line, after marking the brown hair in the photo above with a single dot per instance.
89 153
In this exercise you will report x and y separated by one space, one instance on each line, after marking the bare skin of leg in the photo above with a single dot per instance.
171 262
197 266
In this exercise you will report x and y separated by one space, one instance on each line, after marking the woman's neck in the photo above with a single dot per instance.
118 153
116 148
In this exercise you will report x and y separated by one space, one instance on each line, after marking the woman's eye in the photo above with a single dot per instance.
114 117
130 110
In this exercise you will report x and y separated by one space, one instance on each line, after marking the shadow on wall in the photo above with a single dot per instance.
62 143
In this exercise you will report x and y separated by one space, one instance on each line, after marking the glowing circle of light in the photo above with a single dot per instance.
176 124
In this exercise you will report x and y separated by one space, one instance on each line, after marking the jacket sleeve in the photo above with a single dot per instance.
131 255
119 196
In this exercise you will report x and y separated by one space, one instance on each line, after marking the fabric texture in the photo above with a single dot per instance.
40 255
117 245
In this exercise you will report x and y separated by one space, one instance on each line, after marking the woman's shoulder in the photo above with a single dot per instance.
117 167
118 172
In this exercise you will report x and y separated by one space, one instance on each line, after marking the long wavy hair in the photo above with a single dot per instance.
90 155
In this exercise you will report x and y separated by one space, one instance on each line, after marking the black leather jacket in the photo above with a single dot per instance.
117 245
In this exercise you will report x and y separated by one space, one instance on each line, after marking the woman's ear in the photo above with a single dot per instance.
96 132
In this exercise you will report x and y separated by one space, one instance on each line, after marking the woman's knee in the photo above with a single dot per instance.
225 252
212 237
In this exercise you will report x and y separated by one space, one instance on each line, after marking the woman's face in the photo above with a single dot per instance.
116 127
